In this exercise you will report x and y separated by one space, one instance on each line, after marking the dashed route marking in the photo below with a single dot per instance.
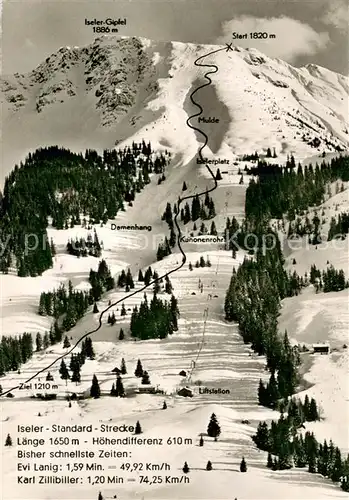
179 235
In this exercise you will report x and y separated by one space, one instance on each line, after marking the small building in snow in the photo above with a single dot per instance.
321 348
186 392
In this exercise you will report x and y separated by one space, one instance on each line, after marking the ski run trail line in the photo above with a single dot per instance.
179 236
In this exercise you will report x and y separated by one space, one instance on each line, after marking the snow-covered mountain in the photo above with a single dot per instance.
122 88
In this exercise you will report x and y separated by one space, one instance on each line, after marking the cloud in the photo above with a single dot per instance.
293 38
337 15
28 44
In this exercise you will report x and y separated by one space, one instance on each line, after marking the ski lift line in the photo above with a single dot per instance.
179 234
205 315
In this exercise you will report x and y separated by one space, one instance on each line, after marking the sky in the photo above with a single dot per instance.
310 31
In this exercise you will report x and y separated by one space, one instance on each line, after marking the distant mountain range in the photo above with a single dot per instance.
125 88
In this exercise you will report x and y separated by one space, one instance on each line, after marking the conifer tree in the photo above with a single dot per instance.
273 391
201 442
63 370
88 348
73 361
299 452
218 175
123 367
203 229
95 308
213 230
164 406
122 279
243 466
306 407
209 465
38 342
95 391
123 310
8 441
121 334
138 428
173 238
211 210
113 390
156 286
66 343
185 214
203 214
46 341
120 392
168 285
262 394
145 378
313 413
185 468
140 276
269 461
139 369
184 188
148 275
76 377
285 455
112 318
100 496
195 208
42 310
129 279
337 469
53 248
213 428
167 216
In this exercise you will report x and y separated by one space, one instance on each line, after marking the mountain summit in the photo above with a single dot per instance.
125 88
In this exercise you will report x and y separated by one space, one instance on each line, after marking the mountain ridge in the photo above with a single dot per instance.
119 89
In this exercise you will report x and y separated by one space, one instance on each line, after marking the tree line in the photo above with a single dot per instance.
77 360
330 280
286 448
253 300
291 190
198 210
14 351
338 226
54 182
156 319
67 305
81 247
258 286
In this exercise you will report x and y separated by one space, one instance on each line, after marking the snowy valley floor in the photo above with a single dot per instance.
221 361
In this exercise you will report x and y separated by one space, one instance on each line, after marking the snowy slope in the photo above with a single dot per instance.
265 99
324 317
119 89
